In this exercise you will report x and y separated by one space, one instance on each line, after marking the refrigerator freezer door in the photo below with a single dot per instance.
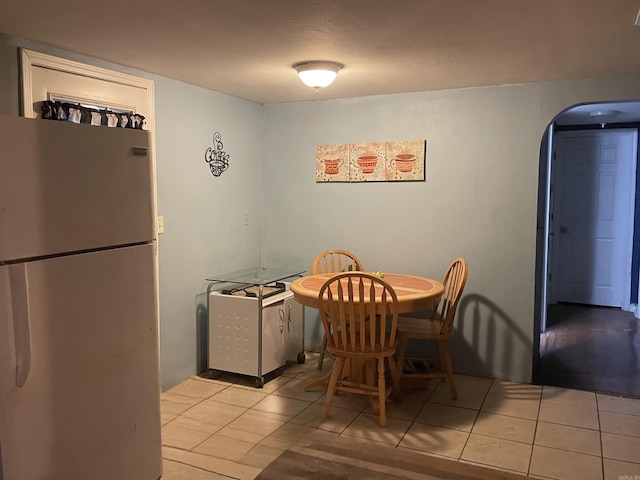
66 187
89 406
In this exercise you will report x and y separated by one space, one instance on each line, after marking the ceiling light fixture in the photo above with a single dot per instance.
318 74
604 116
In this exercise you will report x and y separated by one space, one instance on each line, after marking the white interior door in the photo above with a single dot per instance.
593 214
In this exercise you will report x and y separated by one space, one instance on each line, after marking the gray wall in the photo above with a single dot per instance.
203 214
204 231
479 200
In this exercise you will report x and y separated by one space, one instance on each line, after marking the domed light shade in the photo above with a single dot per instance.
318 74
604 116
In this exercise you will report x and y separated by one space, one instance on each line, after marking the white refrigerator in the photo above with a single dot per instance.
79 368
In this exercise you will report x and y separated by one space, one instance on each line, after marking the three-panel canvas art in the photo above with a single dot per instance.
372 162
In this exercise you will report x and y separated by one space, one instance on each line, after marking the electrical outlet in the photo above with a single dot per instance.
245 219
160 224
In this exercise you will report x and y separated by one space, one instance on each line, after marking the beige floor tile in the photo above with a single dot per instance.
171 453
300 370
338 420
567 396
221 446
197 388
215 413
179 471
520 408
174 404
564 437
295 389
251 437
347 400
497 452
567 414
447 416
513 399
435 440
628 406
288 407
620 423
313 373
367 426
515 391
206 427
293 432
240 397
260 456
617 470
167 417
273 385
563 465
178 435
263 423
407 408
501 426
471 392
422 393
221 466
621 447
250 427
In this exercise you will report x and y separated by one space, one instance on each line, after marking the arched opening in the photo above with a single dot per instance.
586 334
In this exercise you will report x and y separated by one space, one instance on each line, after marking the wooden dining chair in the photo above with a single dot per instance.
332 261
438 328
347 303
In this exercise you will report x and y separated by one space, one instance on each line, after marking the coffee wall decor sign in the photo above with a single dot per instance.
216 157
398 161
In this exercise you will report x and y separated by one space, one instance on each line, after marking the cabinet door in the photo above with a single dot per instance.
233 334
273 338
293 328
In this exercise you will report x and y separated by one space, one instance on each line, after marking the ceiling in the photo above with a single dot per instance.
246 48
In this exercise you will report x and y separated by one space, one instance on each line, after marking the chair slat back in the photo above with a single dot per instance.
454 282
332 261
348 302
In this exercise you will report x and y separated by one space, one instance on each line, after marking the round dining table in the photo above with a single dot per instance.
414 293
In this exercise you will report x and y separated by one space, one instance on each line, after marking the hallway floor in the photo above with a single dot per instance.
226 429
591 348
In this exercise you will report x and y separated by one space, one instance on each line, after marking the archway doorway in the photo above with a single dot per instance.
582 340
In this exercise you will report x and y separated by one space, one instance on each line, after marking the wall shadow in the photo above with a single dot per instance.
202 333
488 342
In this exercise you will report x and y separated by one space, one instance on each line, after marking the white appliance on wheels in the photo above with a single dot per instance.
255 324
79 369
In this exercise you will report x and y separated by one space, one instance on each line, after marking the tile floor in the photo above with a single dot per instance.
226 428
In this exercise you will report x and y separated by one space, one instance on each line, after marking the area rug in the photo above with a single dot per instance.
343 460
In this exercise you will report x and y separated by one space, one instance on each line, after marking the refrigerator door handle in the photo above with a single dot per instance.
21 321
